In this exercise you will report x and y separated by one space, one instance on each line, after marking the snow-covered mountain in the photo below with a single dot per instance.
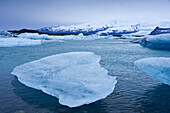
113 27
103 28
136 27
86 29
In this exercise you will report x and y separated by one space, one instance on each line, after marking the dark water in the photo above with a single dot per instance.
135 91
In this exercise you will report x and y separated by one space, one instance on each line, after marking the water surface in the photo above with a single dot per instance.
135 91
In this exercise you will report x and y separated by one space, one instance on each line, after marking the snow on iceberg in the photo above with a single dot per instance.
158 68
36 36
161 41
75 78
5 34
162 38
119 30
11 42
159 30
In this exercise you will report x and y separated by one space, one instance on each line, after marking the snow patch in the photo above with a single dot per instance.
36 36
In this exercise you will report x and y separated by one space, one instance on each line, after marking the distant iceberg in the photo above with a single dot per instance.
36 36
158 68
8 40
5 34
75 78
159 30
11 42
161 41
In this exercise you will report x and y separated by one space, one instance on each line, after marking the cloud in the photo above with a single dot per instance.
28 13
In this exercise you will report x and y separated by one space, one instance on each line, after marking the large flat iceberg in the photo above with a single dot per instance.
158 68
75 78
11 42
161 41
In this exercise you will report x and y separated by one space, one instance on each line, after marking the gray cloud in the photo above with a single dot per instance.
39 13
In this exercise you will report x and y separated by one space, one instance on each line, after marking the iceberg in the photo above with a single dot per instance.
11 42
120 30
5 34
75 78
36 36
159 30
161 41
158 68
45 37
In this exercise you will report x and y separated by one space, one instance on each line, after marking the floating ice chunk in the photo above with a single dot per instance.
10 42
5 34
161 41
75 78
80 35
158 68
162 38
159 30
36 36
120 30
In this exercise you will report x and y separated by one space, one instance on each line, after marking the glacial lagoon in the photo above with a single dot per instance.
135 92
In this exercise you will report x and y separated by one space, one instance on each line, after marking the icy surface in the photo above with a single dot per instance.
5 34
161 41
159 30
158 68
112 27
104 28
142 32
162 38
10 42
119 30
75 78
36 36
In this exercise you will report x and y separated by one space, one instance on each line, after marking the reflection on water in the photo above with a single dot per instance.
156 97
159 97
135 91
44 101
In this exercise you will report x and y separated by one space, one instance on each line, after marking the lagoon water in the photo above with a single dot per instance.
135 92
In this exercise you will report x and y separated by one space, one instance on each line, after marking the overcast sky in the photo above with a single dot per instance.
17 14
